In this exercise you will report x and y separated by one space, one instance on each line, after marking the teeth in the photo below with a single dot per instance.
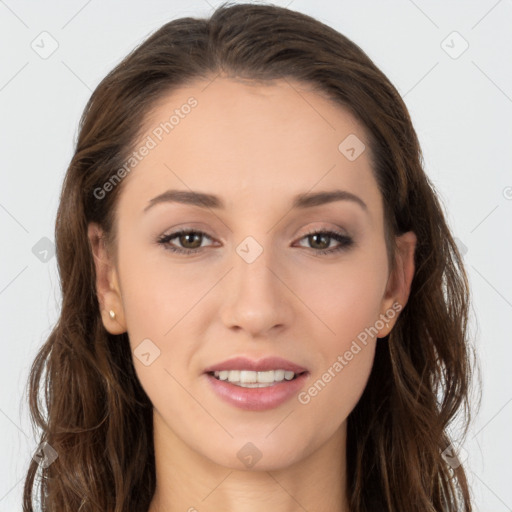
247 378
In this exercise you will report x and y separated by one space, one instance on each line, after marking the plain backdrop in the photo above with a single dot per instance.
451 63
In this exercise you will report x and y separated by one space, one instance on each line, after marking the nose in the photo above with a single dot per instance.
257 299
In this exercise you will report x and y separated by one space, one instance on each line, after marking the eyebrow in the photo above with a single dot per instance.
203 200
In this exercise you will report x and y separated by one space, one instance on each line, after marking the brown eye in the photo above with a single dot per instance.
321 240
192 238
189 241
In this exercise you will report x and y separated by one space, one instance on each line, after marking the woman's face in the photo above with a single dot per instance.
258 286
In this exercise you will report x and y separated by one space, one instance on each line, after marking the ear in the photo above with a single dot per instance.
107 283
399 282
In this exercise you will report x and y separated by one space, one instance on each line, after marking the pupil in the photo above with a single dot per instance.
186 236
319 236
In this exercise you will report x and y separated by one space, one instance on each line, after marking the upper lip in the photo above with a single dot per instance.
260 365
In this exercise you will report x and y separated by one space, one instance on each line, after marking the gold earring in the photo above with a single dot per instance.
112 314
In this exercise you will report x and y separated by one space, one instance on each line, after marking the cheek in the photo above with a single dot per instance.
345 295
158 295
333 394
344 347
162 305
346 298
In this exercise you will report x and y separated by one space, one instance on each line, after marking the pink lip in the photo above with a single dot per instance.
257 399
261 365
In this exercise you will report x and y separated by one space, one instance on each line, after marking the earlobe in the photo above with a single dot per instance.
399 283
107 286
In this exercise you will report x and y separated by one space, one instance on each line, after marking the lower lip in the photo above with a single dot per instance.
257 399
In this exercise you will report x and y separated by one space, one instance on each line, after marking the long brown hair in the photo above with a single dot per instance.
98 419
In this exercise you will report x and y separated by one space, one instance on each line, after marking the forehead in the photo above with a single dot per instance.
248 141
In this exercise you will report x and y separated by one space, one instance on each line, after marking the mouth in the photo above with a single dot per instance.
255 379
256 384
242 388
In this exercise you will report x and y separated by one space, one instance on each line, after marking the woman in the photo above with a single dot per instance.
263 306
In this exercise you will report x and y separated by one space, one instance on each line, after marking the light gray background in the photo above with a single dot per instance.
461 106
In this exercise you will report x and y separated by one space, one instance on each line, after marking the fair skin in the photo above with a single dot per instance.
256 147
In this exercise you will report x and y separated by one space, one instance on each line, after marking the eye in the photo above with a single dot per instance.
191 241
320 240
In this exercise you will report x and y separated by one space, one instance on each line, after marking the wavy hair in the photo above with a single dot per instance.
97 417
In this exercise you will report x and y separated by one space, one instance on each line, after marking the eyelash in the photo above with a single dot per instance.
345 241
